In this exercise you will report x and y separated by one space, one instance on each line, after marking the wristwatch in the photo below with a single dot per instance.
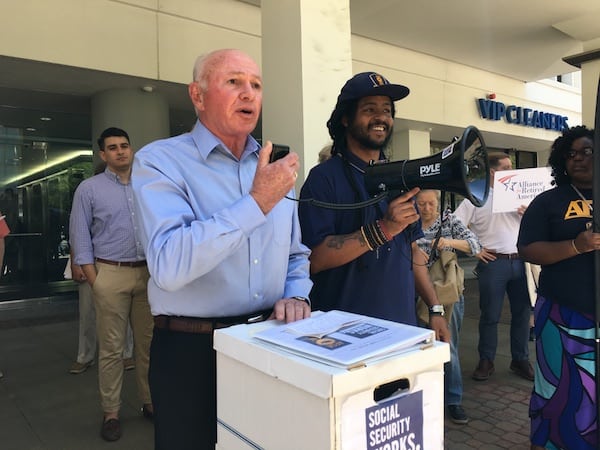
436 310
302 299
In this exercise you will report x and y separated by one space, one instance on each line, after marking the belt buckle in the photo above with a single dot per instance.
254 319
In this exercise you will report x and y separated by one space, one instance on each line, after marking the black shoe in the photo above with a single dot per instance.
457 414
111 430
522 368
147 413
484 369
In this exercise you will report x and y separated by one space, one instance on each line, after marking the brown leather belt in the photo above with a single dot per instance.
507 255
196 325
122 263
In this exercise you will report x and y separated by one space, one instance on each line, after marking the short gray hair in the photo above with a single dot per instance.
437 193
199 74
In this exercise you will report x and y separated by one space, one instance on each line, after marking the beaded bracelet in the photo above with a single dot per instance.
384 230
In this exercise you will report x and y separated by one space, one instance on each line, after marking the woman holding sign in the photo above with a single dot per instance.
555 233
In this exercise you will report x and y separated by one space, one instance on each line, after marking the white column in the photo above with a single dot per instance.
306 59
410 144
590 76
589 62
143 115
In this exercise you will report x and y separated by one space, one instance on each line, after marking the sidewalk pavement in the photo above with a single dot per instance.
497 408
43 407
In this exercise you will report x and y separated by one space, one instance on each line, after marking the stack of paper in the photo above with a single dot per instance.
345 339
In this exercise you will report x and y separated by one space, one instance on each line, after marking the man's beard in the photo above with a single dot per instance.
362 137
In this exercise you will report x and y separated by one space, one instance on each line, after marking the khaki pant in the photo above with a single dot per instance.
86 350
120 295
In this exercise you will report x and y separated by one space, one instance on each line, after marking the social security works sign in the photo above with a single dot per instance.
396 424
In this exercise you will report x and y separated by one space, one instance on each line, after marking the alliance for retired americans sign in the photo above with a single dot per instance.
516 188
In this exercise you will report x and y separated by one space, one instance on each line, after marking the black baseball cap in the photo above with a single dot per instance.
366 84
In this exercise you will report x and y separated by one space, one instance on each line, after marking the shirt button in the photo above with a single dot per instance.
256 295
255 261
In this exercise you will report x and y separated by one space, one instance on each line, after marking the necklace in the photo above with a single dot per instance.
356 167
583 198
351 163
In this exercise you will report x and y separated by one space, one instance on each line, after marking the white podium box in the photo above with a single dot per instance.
268 398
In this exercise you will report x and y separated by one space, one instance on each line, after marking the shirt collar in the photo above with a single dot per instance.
356 161
206 142
112 175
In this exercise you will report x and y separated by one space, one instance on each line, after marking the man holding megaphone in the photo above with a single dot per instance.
365 260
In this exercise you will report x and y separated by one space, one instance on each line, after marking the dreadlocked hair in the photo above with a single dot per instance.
337 131
561 147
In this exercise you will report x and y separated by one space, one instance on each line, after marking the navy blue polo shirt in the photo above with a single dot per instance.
379 283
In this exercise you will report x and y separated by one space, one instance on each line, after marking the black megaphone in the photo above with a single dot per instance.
462 168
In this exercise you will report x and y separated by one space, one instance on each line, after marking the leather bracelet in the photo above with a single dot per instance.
364 235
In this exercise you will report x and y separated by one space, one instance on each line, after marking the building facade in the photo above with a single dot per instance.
70 68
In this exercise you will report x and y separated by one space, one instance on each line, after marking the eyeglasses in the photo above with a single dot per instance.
585 152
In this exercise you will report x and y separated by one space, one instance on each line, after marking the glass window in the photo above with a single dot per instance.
39 179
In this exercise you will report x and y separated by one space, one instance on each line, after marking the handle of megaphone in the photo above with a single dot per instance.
394 194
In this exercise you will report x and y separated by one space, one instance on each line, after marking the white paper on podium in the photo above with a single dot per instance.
345 339
513 188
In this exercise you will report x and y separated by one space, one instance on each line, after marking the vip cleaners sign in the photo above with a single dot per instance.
396 424
519 115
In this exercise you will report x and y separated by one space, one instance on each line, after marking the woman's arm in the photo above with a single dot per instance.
550 252
459 237
545 252
457 244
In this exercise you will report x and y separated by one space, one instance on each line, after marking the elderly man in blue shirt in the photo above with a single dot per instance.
106 245
222 243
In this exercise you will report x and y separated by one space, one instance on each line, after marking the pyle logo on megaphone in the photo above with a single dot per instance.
430 169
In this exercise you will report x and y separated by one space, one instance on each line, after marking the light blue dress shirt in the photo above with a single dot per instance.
211 251
102 221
